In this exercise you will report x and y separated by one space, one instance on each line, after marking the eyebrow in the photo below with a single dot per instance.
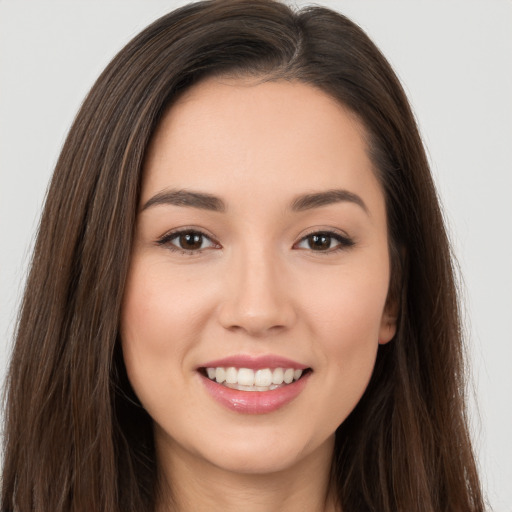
186 198
316 200
210 202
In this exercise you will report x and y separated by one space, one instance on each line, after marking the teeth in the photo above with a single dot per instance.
278 376
220 375
263 377
231 375
247 379
288 375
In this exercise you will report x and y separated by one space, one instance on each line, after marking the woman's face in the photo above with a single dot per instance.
261 250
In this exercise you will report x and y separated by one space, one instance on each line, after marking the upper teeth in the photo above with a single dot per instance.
264 377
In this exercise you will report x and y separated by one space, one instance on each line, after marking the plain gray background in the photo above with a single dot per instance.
455 61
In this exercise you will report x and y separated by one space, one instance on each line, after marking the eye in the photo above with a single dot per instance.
324 241
188 241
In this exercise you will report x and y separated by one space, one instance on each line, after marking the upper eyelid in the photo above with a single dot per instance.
328 231
187 229
173 233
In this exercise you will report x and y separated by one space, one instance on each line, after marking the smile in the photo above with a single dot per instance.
247 379
254 384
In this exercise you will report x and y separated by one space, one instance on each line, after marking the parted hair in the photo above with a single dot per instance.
76 438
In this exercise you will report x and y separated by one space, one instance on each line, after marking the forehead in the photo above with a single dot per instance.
231 135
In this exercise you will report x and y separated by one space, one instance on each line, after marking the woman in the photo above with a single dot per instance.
241 293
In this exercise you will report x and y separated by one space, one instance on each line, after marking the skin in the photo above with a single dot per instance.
255 286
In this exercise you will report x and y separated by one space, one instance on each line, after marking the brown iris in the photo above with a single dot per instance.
319 241
191 241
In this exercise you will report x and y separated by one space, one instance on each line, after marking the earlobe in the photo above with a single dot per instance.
389 321
388 325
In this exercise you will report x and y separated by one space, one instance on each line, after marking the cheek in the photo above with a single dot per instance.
347 306
161 309
349 333
345 314
161 316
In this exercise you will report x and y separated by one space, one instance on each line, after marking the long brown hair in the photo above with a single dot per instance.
76 437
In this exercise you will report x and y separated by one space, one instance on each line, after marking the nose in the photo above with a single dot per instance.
257 300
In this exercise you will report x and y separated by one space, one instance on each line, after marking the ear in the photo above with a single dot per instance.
388 322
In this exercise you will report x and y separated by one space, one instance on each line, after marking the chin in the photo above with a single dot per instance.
256 463
262 457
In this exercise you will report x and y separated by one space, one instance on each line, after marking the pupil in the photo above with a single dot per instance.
319 242
191 240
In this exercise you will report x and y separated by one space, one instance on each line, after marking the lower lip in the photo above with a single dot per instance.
254 402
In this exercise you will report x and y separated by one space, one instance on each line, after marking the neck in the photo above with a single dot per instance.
196 485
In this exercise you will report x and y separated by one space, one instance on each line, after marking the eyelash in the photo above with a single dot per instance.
344 242
169 237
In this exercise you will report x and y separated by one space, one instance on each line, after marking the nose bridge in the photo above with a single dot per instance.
256 298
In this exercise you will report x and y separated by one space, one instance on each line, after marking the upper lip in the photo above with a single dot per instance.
254 362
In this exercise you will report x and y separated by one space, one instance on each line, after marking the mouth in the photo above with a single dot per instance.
255 380
254 384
